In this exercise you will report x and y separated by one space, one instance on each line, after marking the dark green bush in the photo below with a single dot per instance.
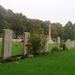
63 46
37 44
55 49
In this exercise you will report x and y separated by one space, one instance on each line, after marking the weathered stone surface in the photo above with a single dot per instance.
46 45
26 41
68 44
6 44
49 38
58 41
72 44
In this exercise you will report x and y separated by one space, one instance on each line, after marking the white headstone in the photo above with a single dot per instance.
46 45
26 41
58 41
6 44
68 44
72 44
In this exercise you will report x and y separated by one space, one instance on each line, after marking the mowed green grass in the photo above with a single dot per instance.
18 50
15 50
50 46
59 63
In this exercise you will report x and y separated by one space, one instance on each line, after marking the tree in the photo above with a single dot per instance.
59 29
4 25
45 26
3 13
68 32
17 24
34 26
54 32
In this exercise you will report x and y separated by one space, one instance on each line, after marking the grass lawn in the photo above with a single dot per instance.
59 63
18 50
15 50
50 46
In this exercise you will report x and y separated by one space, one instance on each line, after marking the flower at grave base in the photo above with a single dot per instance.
22 41
16 45
27 45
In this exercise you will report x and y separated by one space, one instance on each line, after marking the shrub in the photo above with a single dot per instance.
55 49
30 56
37 44
63 46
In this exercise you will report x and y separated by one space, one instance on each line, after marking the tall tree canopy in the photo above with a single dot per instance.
69 31
20 23
56 29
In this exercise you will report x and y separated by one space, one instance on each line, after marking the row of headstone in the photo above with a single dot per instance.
70 44
49 42
7 44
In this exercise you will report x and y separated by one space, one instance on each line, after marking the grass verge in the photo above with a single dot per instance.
58 63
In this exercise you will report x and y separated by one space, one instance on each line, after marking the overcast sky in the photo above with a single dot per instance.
53 10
